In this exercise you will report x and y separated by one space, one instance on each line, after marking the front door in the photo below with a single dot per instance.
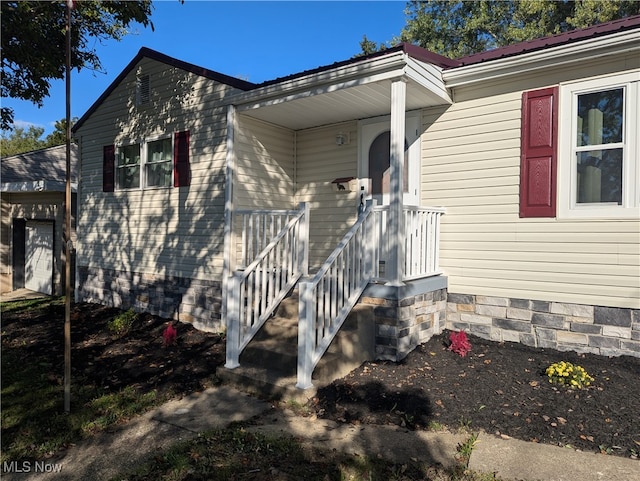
374 162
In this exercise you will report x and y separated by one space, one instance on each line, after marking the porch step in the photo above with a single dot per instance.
268 363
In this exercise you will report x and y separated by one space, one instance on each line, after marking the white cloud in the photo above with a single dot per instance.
26 124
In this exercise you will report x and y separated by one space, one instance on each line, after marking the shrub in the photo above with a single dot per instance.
459 343
122 323
568 374
169 335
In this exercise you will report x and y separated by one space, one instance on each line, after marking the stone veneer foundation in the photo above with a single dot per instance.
195 301
406 316
608 331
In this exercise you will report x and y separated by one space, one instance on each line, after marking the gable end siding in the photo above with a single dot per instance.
168 232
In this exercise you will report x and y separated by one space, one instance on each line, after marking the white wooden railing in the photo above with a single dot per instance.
256 291
258 228
327 298
422 241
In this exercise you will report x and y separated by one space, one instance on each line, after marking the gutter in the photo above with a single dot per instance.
350 75
561 55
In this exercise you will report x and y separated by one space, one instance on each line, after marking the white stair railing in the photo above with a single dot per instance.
256 292
258 228
327 299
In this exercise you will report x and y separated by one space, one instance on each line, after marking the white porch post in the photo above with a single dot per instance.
229 261
396 158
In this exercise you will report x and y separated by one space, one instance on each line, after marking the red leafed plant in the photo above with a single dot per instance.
169 335
459 343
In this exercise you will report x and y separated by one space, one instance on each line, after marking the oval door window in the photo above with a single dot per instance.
379 164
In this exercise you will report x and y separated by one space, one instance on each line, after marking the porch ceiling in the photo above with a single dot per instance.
356 91
357 102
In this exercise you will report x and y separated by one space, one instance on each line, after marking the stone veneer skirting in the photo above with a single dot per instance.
608 331
195 301
406 316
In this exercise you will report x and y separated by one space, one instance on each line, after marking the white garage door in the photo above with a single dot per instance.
38 256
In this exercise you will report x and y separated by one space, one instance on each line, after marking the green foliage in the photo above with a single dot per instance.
21 140
456 28
369 46
568 374
34 45
122 323
465 448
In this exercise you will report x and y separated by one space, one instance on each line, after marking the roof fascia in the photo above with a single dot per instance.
370 70
622 42
428 76
145 52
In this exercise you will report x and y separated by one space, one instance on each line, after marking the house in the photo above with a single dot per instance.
496 193
32 193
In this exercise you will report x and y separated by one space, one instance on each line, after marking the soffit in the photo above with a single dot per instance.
359 102
350 93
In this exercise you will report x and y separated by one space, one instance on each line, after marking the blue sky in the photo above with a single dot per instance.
255 41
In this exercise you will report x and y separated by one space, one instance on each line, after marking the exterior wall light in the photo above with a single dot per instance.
342 138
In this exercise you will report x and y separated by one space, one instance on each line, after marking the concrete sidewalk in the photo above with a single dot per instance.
122 449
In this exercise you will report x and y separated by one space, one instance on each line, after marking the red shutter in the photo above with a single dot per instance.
182 172
108 168
539 140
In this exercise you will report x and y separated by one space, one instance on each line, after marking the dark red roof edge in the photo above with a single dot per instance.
414 51
174 62
601 29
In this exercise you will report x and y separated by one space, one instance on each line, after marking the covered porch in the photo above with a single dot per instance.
306 206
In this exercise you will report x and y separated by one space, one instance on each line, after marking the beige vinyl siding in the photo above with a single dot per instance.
471 166
320 161
6 281
162 231
264 166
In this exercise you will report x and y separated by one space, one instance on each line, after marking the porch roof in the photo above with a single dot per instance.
355 89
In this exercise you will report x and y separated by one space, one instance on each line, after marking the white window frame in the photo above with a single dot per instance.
146 161
119 165
143 145
568 207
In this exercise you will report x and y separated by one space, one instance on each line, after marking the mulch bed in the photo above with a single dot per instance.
139 358
500 388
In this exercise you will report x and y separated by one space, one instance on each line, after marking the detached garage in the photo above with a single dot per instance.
32 229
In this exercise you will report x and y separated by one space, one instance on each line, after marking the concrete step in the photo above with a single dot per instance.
268 364
266 383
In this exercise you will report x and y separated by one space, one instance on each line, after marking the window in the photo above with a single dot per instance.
158 165
599 162
129 167
153 163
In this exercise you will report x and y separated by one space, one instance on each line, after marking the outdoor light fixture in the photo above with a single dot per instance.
342 138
